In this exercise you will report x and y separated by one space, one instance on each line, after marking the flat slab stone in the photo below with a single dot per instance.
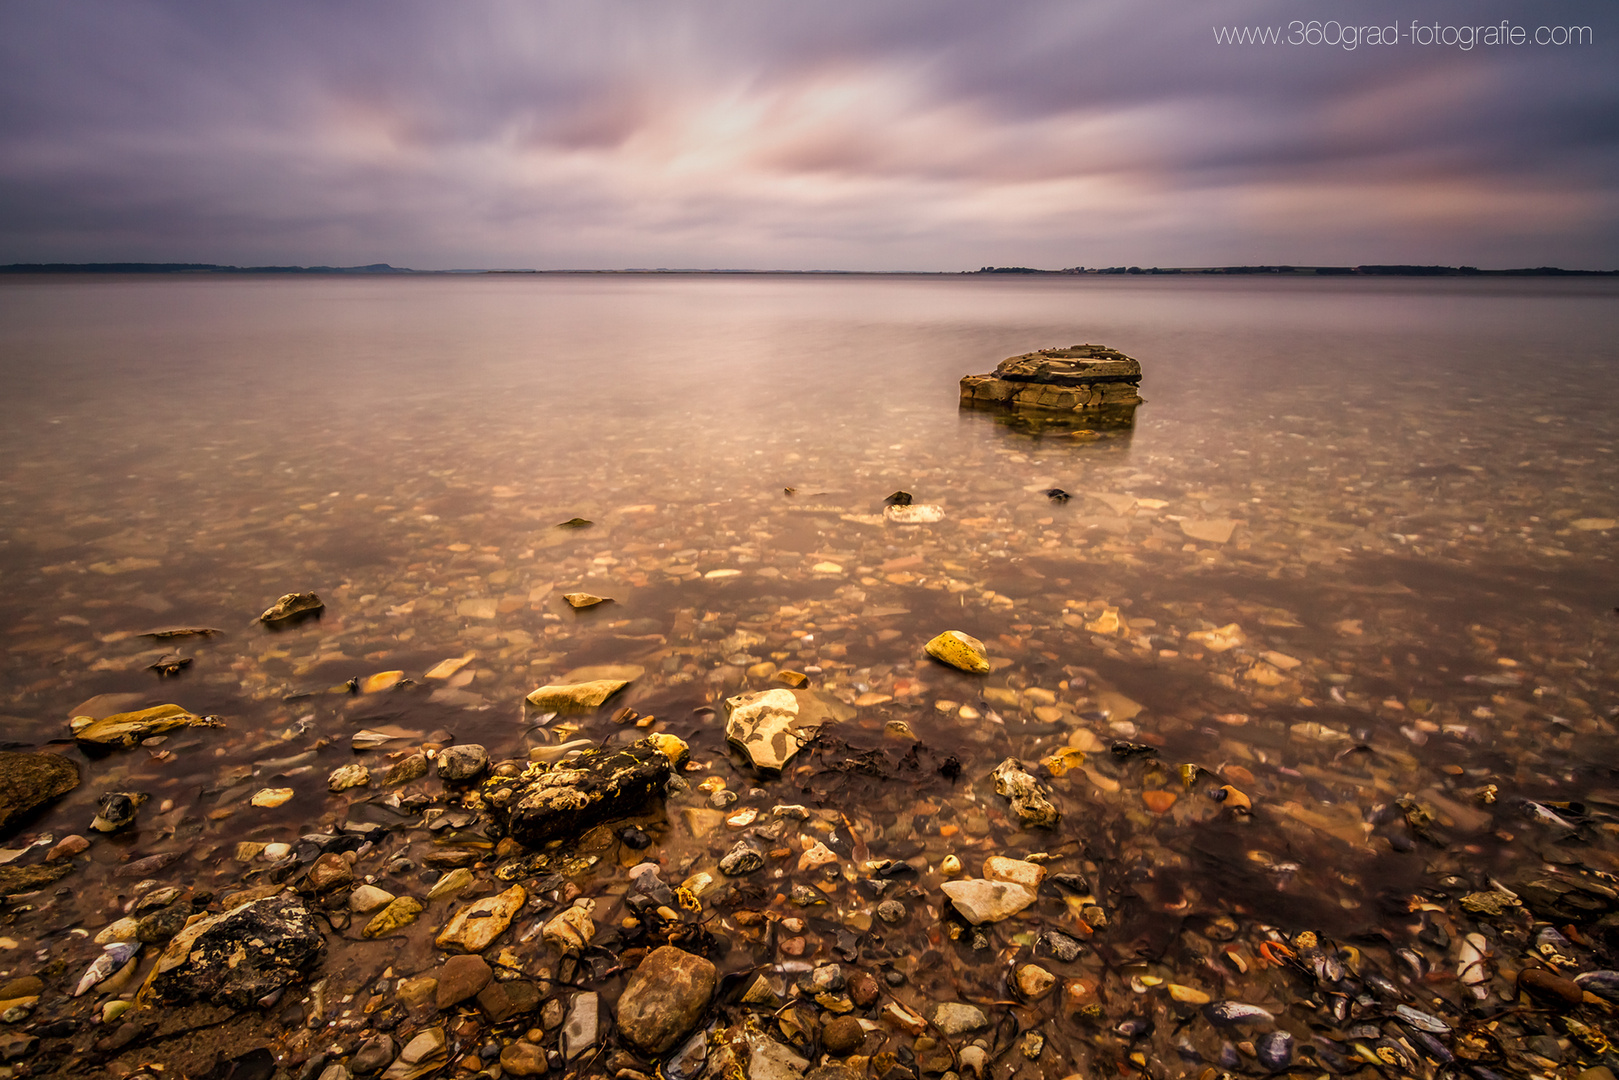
575 697
129 728
1092 380
770 725
475 926
240 956
983 901
29 781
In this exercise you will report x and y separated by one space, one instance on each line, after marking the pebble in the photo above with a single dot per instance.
954 1018
843 1036
460 978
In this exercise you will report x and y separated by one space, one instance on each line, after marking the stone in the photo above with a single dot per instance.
843 1036
815 856
116 810
129 728
1028 801
475 926
1092 383
348 776
271 797
368 898
959 650
523 1059
580 697
580 1029
67 847
460 978
406 769
293 607
239 956
1209 530
567 800
451 883
400 912
424 1045
375 1054
1033 981
741 859
1550 987
981 901
500 1001
891 911
667 995
1027 874
462 762
914 514
571 929
863 989
954 1018
29 781
770 726
580 600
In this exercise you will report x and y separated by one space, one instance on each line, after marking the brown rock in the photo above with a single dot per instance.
843 1035
461 977
1549 986
523 1059
863 989
329 871
501 1001
665 998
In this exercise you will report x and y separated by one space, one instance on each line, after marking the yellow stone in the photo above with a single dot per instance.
445 668
1221 638
1282 660
827 568
1187 995
583 599
382 680
795 679
1593 524
272 796
402 911
671 746
1064 761
959 650
1108 622
576 697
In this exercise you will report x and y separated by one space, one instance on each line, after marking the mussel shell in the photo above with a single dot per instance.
1601 983
1420 1020
1275 1050
690 1060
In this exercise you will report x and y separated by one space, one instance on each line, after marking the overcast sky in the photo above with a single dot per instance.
816 134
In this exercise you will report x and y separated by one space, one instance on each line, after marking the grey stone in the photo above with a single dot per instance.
466 761
741 859
579 1030
954 1018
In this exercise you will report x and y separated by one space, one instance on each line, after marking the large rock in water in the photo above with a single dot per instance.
128 729
238 957
770 725
1090 381
596 787
665 998
29 781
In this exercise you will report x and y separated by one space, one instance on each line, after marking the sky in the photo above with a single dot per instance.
825 135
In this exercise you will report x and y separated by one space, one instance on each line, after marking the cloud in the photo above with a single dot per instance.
901 135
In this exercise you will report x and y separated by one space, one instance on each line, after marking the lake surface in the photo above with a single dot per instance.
1355 560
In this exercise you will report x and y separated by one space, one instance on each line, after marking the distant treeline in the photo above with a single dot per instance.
1392 270
192 268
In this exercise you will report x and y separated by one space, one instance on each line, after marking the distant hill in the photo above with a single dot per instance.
1392 270
192 268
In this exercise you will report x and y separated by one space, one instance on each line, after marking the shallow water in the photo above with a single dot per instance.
1421 476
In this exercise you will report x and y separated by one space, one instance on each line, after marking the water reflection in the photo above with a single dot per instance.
1348 563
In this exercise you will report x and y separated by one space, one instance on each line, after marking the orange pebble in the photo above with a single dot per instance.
949 830
1237 774
1159 801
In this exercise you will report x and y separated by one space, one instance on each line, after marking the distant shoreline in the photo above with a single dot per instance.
1390 270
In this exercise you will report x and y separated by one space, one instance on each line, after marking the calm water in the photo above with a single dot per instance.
1420 479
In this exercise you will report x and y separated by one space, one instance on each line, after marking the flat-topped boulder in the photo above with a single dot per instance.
1089 380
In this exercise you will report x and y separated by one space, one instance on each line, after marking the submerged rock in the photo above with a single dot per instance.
23 879
482 921
771 725
959 650
575 697
666 997
464 761
238 957
982 901
128 729
580 600
596 787
1092 380
293 607
1029 802
29 781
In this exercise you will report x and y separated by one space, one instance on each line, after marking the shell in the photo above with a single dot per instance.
1420 1020
1275 1050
